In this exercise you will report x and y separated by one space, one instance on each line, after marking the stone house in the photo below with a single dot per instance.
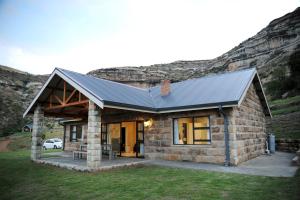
213 119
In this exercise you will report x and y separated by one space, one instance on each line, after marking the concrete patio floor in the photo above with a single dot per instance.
274 165
65 160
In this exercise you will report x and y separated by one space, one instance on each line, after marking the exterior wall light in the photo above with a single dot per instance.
148 123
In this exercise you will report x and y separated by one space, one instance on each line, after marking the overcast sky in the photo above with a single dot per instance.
38 35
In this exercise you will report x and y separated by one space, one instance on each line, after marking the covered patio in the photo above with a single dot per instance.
65 160
64 98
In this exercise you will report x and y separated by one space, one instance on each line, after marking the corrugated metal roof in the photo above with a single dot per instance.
110 91
225 89
221 89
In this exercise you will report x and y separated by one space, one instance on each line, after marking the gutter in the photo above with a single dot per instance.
226 136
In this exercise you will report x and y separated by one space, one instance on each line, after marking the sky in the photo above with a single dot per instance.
82 35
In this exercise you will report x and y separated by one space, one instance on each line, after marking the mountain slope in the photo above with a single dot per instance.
17 91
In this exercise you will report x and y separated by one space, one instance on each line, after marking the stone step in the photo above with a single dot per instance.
296 161
298 153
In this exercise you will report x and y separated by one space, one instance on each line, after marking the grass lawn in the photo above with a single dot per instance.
22 179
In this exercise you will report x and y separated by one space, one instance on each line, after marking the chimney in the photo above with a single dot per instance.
165 88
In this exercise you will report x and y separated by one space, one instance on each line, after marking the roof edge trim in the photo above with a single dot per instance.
255 74
84 91
39 93
170 109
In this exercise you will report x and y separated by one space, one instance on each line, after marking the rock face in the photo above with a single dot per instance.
268 50
17 91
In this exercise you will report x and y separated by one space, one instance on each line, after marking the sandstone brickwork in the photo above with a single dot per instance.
36 142
93 136
249 122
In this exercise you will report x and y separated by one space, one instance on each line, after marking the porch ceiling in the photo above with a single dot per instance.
60 99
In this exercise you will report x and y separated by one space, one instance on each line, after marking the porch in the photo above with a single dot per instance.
100 130
65 160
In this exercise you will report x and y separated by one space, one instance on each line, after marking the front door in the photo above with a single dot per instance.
139 147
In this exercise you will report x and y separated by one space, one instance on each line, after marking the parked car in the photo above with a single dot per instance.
54 143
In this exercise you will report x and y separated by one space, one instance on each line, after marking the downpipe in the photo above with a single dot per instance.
226 136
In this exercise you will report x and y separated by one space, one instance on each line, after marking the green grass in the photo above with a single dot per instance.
291 100
285 125
286 110
22 140
285 106
22 179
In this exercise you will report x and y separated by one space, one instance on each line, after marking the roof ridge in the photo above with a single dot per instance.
104 79
211 76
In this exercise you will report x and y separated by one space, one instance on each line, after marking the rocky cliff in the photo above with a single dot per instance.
17 91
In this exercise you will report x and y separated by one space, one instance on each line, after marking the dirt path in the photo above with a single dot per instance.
3 145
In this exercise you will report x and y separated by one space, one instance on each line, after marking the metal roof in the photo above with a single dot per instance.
226 89
222 89
112 92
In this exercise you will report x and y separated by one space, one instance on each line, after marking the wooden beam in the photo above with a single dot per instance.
67 105
75 110
71 95
64 96
62 115
50 103
58 99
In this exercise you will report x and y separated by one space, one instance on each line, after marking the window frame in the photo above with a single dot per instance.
194 128
76 133
104 133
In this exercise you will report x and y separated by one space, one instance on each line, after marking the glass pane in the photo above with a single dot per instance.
114 136
73 128
103 128
201 122
78 132
183 131
202 135
140 135
74 136
140 126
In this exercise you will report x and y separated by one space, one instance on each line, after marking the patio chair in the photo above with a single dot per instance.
115 147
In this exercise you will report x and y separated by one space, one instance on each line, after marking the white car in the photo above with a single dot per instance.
54 143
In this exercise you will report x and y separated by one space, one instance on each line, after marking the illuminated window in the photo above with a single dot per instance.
193 130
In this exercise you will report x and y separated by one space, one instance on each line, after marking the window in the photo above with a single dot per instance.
104 134
75 132
193 130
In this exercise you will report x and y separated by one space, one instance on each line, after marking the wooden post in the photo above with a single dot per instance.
64 97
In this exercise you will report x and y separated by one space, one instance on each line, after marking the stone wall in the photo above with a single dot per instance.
287 145
249 122
159 139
